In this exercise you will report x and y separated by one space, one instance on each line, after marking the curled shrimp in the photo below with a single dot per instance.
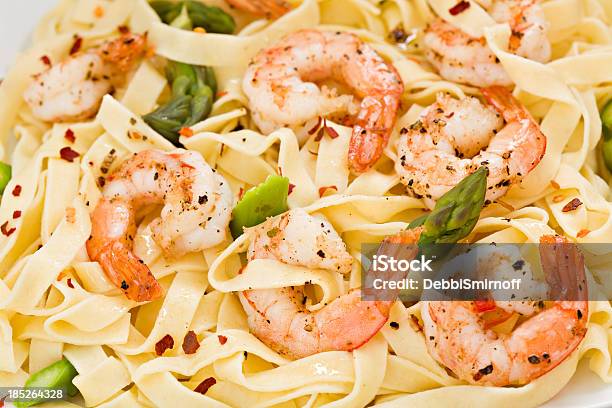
454 137
279 317
460 57
266 8
197 208
458 338
73 89
281 84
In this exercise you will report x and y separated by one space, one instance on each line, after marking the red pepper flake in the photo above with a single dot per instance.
7 231
187 132
17 190
99 12
331 132
69 135
572 205
583 233
190 343
69 283
291 187
167 342
221 94
16 214
123 29
316 127
2 401
205 385
76 45
322 190
222 339
68 154
46 60
555 185
240 193
459 7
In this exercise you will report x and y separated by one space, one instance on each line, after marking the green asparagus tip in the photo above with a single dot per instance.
5 176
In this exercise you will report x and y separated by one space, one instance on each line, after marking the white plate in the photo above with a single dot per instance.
18 19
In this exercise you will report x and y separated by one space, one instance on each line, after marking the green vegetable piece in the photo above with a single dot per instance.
456 212
168 119
5 176
182 21
58 375
606 124
212 19
193 94
258 203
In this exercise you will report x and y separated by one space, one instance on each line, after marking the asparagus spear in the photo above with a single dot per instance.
456 212
189 14
58 375
258 203
5 176
193 90
606 123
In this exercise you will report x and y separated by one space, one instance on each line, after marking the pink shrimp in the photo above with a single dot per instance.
281 84
266 8
457 335
279 317
197 208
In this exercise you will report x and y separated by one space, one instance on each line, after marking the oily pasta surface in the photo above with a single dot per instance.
54 301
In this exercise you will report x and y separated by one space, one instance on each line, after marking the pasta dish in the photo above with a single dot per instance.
188 188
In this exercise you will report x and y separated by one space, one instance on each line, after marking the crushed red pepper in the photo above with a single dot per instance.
46 60
16 214
17 190
69 135
68 154
222 339
572 205
203 387
291 187
69 283
190 343
6 230
167 342
76 45
459 7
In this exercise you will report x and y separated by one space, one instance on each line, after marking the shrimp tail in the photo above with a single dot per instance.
506 104
563 266
112 226
372 129
126 271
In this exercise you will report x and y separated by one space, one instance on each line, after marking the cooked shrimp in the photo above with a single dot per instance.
438 150
279 317
197 208
266 8
73 89
457 337
460 57
281 86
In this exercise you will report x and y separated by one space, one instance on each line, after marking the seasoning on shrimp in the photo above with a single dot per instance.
177 179
459 57
441 149
281 84
279 316
458 338
73 89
